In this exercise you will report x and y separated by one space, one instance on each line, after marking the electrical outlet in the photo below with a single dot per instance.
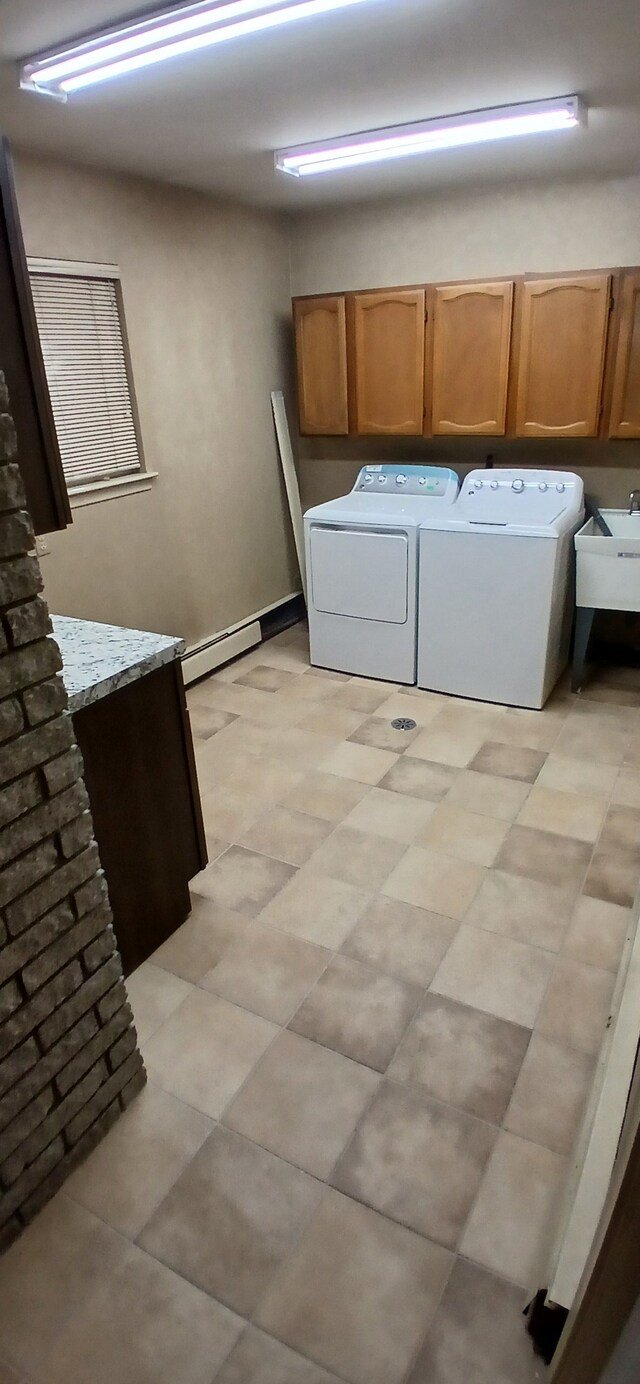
42 546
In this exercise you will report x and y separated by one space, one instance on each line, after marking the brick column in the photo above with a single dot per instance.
69 1062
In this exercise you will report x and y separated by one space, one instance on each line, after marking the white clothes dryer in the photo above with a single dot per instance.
496 586
362 569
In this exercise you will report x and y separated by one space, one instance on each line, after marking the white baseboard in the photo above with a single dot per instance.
200 659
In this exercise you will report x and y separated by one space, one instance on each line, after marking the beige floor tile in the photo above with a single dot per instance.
488 795
147 1326
478 1334
287 835
228 814
613 876
525 909
267 679
195 947
597 933
231 1219
495 974
335 721
331 673
359 697
595 738
206 721
406 942
441 745
576 1006
436 882
508 1227
546 856
419 779
325 795
550 1094
462 1056
269 708
261 778
357 1294
138 1161
303 1102
357 857
396 815
626 790
577 776
243 880
417 1161
317 908
49 1274
204 1052
508 761
246 737
534 730
382 735
300 749
360 762
258 1359
566 814
418 706
465 835
621 831
358 1012
267 971
153 995
311 688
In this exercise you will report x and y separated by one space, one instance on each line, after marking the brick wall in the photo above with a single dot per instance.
69 1062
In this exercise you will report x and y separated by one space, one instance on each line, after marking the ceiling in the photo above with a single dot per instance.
212 120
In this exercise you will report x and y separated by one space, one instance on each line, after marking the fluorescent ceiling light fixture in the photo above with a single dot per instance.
172 33
429 136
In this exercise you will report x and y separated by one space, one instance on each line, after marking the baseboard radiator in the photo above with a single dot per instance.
201 659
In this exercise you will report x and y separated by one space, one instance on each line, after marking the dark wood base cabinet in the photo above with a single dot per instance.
139 770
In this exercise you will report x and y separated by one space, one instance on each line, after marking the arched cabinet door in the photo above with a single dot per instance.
624 418
388 343
471 338
321 357
563 335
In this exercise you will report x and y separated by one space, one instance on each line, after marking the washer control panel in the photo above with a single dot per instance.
524 497
391 478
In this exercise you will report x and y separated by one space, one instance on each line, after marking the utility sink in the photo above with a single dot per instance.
608 569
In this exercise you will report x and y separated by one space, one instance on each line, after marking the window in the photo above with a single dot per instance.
80 319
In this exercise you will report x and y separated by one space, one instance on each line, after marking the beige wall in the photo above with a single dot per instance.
206 290
458 235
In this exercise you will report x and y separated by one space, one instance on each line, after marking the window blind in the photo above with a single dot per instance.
86 366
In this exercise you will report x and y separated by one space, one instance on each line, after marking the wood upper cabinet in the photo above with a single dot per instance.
563 334
321 354
388 346
624 417
471 335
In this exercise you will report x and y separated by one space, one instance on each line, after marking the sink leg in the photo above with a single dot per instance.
584 626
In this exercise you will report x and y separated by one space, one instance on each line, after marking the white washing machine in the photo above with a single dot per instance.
362 569
496 587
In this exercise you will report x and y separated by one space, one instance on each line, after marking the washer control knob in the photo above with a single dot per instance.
401 480
543 485
560 486
495 485
478 485
518 486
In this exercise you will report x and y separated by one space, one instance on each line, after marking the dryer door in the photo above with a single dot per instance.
360 572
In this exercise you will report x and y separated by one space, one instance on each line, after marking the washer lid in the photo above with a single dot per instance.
521 502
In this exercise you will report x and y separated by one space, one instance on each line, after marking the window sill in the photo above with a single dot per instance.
94 492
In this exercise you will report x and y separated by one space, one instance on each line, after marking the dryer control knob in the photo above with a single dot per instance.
560 486
401 480
368 480
518 486
422 481
382 480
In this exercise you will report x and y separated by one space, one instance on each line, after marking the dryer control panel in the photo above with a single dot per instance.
434 482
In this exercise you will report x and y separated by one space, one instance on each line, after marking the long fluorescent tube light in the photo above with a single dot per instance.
171 33
429 136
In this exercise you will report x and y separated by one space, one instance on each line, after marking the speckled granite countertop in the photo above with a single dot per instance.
98 659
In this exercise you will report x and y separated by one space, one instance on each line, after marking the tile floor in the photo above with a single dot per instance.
368 1048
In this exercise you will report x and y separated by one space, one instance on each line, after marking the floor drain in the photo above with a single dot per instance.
403 723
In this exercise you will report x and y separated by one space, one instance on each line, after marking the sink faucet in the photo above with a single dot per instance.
634 502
